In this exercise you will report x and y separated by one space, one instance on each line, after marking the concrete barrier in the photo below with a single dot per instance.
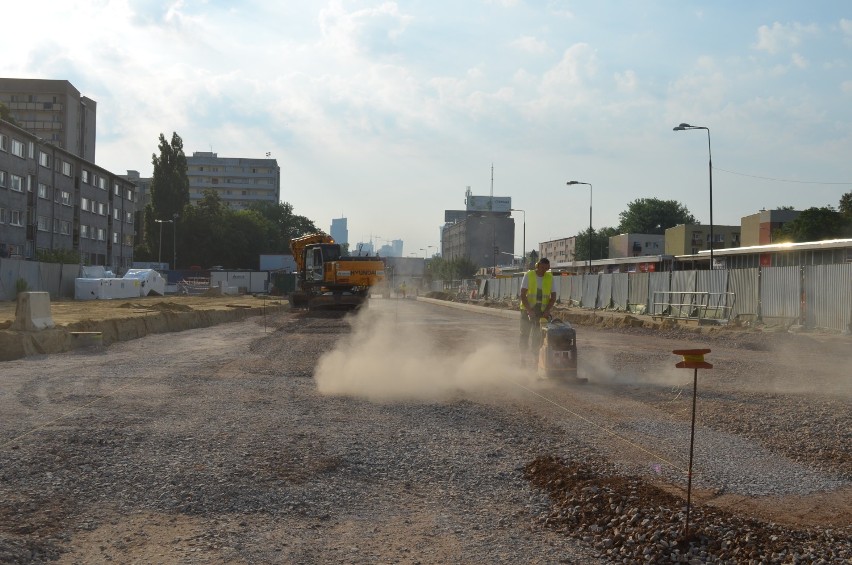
33 312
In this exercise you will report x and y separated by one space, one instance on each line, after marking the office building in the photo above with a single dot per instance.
54 111
339 231
238 181
51 200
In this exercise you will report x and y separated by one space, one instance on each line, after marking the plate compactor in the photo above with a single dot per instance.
557 358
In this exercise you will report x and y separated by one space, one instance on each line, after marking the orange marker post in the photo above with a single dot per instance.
692 359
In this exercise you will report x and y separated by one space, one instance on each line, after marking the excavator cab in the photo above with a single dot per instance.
315 259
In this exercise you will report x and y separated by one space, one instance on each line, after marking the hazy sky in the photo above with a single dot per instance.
384 112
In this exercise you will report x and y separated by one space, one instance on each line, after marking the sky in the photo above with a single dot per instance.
385 112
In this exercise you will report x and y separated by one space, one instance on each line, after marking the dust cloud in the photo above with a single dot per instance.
385 360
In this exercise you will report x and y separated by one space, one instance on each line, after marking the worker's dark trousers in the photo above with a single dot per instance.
530 339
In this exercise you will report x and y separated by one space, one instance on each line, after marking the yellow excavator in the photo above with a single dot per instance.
325 278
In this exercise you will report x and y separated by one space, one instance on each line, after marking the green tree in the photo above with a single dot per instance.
845 207
287 224
169 190
600 244
459 268
653 216
813 224
5 114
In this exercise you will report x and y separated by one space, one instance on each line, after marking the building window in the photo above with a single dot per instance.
17 148
84 204
101 234
115 237
17 183
65 227
130 195
17 218
2 215
43 191
116 214
85 177
67 169
84 231
65 198
56 225
43 159
102 209
2 179
4 143
128 217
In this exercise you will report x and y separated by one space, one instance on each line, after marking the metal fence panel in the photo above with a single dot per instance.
743 283
590 291
828 297
605 291
619 291
638 286
780 294
682 281
657 282
576 290
48 278
716 284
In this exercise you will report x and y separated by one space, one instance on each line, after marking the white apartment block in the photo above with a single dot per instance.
238 181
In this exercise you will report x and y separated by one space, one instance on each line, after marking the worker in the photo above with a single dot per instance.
402 289
537 300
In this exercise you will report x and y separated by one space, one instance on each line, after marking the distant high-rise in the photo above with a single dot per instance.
238 181
339 230
54 111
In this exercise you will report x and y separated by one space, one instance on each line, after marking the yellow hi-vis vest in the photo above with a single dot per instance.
537 295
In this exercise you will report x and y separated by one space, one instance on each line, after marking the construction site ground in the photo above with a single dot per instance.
409 434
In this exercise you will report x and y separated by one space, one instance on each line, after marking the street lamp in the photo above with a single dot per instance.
524 250
684 127
569 183
174 240
161 222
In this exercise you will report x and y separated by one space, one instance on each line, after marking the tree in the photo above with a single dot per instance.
653 216
5 114
813 224
169 190
287 224
459 268
600 244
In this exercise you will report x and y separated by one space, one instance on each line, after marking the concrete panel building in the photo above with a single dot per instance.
558 250
51 199
54 111
689 239
238 181
487 239
636 245
757 228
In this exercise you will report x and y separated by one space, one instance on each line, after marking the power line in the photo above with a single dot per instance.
780 180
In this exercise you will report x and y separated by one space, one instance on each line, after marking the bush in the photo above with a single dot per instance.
21 286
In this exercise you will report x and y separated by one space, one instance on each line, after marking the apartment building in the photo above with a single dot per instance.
757 228
54 111
558 250
636 245
238 181
689 239
52 199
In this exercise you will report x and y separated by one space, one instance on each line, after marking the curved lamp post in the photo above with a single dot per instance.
572 182
684 127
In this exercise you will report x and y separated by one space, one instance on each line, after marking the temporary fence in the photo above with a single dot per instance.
817 296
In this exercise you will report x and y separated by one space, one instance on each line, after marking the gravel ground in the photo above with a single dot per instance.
215 446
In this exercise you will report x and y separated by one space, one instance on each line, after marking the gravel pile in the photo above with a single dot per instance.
233 454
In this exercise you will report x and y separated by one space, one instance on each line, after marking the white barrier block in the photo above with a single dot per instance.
33 312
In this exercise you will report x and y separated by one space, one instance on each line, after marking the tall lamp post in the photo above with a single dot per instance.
524 240
572 182
161 222
684 127
174 240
